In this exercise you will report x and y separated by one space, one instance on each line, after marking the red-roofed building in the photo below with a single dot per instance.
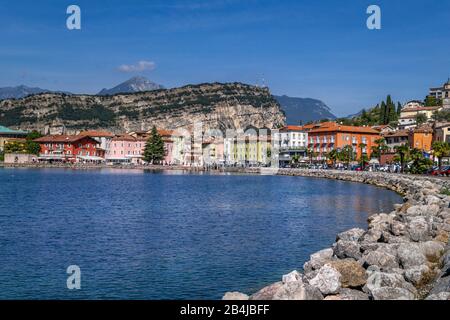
333 136
69 148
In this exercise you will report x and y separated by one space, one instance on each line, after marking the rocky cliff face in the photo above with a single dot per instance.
218 106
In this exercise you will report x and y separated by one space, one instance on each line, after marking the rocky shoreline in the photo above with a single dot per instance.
403 255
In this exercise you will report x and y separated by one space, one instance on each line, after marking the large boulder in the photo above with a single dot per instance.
419 229
379 280
371 236
352 274
327 280
410 255
318 259
347 249
350 294
351 235
235 296
267 293
398 228
389 293
381 258
422 210
419 275
439 296
433 250
297 290
433 200
292 277
380 221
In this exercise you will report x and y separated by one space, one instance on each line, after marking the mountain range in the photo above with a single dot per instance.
303 110
297 110
135 84
21 92
216 105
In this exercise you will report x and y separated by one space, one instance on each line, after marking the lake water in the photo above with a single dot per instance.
167 235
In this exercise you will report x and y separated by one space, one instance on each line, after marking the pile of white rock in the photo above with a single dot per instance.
404 254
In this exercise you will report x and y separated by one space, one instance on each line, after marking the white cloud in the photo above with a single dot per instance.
138 67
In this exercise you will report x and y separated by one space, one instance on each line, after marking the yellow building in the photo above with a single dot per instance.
249 150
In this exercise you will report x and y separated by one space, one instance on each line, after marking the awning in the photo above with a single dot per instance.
91 158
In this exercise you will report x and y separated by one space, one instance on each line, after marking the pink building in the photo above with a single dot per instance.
126 149
129 148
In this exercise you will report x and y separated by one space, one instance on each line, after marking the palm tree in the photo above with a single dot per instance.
441 149
347 154
362 146
333 156
380 148
403 152
311 154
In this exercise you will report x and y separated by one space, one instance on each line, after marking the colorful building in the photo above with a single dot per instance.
7 134
126 149
421 138
442 132
248 149
333 136
104 139
69 148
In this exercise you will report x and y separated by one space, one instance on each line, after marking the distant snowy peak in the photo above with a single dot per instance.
135 84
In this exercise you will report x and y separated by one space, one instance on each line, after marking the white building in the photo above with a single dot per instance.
292 138
104 139
442 93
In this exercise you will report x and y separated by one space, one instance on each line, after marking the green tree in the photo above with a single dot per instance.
403 153
419 163
379 149
347 154
363 161
32 146
295 159
383 113
392 112
154 148
431 101
333 156
421 119
399 109
441 150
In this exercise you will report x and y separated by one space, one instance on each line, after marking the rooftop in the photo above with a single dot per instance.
334 127
93 133
62 138
292 128
420 109
399 133
5 130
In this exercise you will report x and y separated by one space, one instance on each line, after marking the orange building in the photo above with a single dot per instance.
330 136
421 138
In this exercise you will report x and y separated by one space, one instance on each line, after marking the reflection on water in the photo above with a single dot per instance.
167 235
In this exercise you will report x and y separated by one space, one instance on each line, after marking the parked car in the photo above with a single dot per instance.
439 172
433 171
445 171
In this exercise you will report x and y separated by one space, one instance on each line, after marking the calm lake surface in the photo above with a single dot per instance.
167 235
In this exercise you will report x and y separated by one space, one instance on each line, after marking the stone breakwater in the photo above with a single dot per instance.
403 255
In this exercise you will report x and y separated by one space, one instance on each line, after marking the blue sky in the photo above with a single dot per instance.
320 49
